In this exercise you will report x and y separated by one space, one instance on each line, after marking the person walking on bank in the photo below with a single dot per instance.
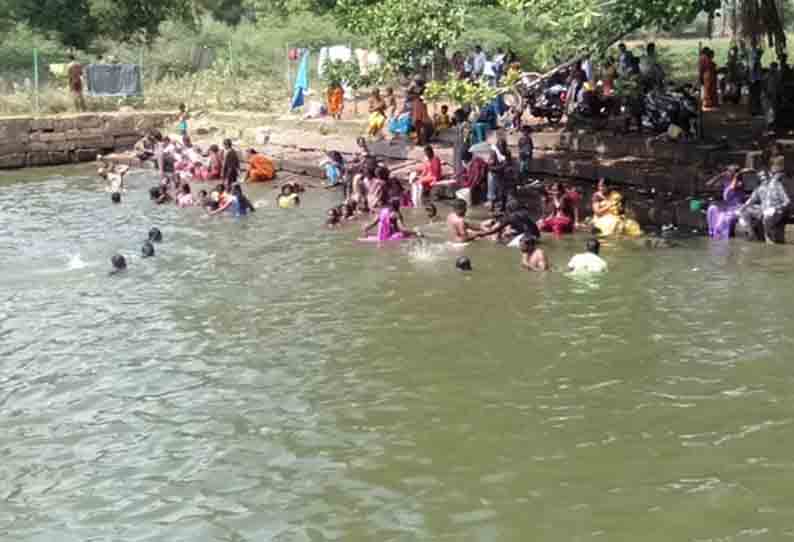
74 74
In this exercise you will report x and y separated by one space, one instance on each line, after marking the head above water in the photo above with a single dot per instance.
155 235
286 190
460 207
463 263
431 210
154 192
528 244
118 262
593 246
115 197
147 250
186 188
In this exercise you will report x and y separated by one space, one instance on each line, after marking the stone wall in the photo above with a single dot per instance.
28 142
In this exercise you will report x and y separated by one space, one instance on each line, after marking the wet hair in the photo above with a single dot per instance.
528 244
382 173
431 210
227 143
118 262
336 157
154 192
186 188
155 235
203 194
429 152
459 206
147 250
463 263
593 246
115 197
182 107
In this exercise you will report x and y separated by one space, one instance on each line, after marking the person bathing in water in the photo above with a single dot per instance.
391 226
532 257
461 231
589 261
288 198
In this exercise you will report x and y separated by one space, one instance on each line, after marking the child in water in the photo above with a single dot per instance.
460 231
288 198
432 213
532 257
391 226
334 217
334 166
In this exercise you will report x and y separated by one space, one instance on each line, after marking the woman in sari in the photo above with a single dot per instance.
722 216
260 168
609 218
336 101
708 74
377 114
391 226
557 211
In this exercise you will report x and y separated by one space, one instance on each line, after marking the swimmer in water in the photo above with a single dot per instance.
223 199
334 217
391 226
532 257
155 235
463 264
147 250
432 213
288 198
115 197
203 199
460 231
119 264
159 195
589 261
114 175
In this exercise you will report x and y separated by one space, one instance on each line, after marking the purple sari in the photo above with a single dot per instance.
722 216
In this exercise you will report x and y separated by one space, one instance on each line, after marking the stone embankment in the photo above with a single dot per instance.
27 141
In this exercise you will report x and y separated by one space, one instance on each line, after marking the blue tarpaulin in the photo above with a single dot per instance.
301 82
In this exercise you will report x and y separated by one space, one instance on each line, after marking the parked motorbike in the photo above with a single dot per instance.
662 108
544 100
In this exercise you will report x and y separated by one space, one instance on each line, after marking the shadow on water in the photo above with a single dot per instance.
269 379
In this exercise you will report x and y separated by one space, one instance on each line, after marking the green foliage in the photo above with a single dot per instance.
337 73
226 11
594 25
70 21
495 27
467 93
401 30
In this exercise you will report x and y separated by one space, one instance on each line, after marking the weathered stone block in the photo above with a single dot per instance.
63 124
88 121
85 155
13 148
125 142
41 158
15 129
59 157
120 124
41 125
38 146
47 137
12 161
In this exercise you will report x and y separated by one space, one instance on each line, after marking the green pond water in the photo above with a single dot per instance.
269 380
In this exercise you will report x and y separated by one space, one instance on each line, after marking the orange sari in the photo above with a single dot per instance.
260 169
336 98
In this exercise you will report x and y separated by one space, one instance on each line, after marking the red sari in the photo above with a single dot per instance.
559 215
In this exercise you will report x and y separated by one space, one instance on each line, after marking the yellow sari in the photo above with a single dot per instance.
611 220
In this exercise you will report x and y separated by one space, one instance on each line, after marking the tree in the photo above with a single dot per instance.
401 30
76 23
227 11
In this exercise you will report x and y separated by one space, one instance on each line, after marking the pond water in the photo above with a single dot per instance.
267 379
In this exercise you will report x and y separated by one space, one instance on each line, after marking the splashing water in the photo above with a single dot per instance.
423 251
75 262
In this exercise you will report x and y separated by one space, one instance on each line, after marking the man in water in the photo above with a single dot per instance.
532 257
769 204
589 261
119 264
147 250
515 222
460 231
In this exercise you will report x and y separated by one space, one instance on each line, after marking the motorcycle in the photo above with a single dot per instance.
544 100
661 109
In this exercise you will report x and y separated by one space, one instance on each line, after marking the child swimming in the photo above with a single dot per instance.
532 257
288 198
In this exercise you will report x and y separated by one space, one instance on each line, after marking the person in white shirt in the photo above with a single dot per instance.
587 68
589 261
478 63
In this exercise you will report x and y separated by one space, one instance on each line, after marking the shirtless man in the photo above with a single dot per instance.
74 73
460 231
532 257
